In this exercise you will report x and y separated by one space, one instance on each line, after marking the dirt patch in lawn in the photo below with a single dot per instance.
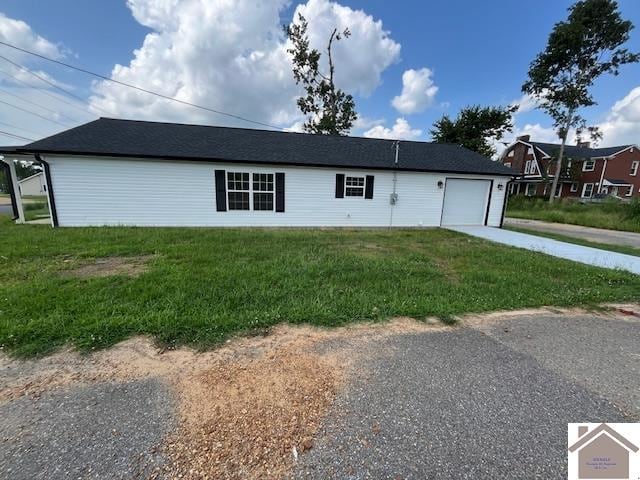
109 266
245 410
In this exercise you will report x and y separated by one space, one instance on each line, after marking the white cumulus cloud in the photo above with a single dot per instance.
20 34
401 130
418 91
622 125
231 56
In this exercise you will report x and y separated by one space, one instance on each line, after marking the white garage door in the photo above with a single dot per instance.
465 201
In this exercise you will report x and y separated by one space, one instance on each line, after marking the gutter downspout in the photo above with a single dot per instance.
506 200
16 199
50 197
604 168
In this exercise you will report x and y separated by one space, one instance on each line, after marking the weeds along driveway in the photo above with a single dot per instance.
490 398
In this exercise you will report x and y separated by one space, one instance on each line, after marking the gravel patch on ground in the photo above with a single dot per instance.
454 404
600 352
107 430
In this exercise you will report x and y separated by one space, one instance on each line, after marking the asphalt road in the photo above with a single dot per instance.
598 235
486 400
5 210
107 430
480 403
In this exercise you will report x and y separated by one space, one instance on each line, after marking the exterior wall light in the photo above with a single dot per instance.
500 186
440 184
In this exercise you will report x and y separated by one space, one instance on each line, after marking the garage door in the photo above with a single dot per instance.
465 201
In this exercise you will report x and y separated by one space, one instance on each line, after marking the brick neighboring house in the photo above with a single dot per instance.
588 171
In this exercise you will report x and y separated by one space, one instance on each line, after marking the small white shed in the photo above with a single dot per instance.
123 172
33 186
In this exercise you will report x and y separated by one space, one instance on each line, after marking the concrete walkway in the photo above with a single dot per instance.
598 235
569 251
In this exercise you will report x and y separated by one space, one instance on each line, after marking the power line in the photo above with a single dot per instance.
44 92
33 103
47 81
34 113
19 137
23 129
150 92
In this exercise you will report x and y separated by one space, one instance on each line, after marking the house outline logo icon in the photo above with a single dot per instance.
602 453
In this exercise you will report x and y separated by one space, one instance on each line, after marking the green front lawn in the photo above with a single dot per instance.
609 215
203 285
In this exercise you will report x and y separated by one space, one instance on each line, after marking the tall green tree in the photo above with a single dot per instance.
579 50
475 128
329 110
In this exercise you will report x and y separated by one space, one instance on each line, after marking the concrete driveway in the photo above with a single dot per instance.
598 235
569 251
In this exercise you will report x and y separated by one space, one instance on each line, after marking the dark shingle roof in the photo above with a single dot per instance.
129 138
573 151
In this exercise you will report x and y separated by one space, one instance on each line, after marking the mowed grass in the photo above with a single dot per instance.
610 215
203 285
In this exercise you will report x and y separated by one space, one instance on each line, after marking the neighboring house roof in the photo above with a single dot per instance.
30 177
615 181
573 151
597 431
129 138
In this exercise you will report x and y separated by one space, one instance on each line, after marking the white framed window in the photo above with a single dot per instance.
634 168
630 191
589 166
530 151
574 187
238 190
512 188
587 190
263 191
527 167
510 154
558 190
531 190
243 194
354 186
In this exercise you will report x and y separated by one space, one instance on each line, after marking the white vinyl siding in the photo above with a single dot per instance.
109 191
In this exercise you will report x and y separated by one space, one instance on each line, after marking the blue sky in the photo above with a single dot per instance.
475 53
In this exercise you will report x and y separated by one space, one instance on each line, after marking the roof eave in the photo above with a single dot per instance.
287 163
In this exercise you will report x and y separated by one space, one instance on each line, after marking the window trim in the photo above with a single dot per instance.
589 162
527 167
629 191
251 191
507 164
634 168
235 190
584 189
576 185
354 187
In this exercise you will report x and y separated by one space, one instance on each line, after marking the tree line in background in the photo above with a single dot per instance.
579 50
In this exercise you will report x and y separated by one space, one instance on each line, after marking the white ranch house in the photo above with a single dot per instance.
123 172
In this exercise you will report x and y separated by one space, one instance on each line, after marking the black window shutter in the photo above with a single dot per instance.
339 185
221 191
279 192
368 189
